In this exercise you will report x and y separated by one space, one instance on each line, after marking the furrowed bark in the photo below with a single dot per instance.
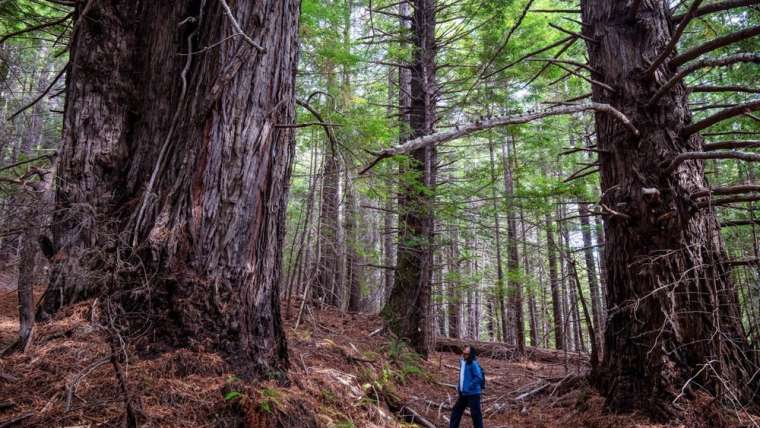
668 290
197 248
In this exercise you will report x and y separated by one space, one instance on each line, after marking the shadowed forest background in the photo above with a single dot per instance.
297 213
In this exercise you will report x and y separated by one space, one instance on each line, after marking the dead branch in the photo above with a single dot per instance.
673 39
36 27
572 33
708 62
727 190
722 145
728 200
722 115
728 88
239 30
480 125
714 44
682 157
526 56
41 95
71 388
719 7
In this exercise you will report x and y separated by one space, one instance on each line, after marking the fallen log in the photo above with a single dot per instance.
502 351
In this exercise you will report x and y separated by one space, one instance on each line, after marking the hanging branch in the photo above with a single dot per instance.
673 39
719 7
708 62
480 125
714 44
722 115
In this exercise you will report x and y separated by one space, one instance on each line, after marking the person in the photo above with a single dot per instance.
468 387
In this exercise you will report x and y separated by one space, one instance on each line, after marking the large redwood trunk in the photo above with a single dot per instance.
174 170
673 313
408 310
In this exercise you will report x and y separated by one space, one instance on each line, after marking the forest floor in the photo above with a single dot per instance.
341 375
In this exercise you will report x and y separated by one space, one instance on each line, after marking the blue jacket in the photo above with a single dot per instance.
473 378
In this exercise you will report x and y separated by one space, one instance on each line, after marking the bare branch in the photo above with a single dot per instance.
572 33
673 39
328 129
724 145
715 44
727 190
736 88
36 27
240 31
542 50
708 62
719 7
682 157
556 10
722 115
481 125
41 95
728 200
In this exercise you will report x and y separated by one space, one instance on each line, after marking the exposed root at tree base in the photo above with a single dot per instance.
340 377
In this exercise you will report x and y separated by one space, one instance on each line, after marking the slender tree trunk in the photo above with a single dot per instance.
353 273
532 306
513 261
500 292
572 287
551 249
328 270
408 311
593 283
200 198
454 284
674 316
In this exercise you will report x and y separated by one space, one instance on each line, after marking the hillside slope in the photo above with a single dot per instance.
344 373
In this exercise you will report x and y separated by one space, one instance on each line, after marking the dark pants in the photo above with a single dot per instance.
465 401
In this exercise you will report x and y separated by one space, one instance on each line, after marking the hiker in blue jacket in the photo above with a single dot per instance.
470 381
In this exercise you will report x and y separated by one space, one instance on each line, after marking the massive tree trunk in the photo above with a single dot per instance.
408 311
173 176
673 317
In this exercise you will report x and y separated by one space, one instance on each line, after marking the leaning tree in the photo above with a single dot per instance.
173 176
